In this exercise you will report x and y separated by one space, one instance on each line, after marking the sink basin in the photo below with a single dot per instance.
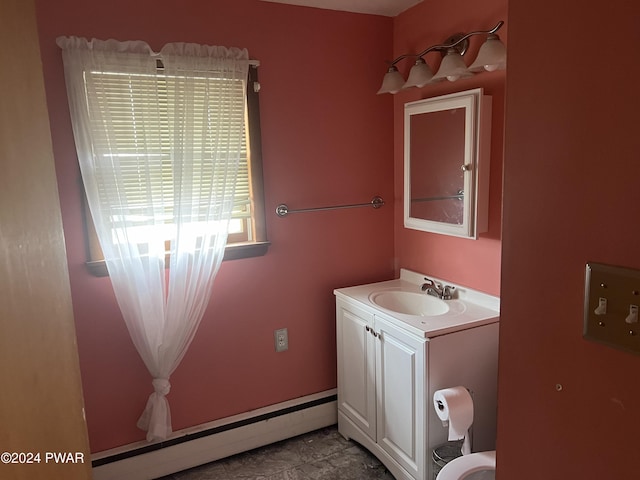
410 303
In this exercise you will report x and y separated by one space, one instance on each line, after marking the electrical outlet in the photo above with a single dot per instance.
281 338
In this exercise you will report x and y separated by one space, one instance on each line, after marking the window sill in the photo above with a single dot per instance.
98 268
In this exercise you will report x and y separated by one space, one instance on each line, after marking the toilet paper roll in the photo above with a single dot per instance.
455 406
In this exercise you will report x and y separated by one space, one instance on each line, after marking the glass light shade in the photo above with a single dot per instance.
492 56
392 81
419 75
452 68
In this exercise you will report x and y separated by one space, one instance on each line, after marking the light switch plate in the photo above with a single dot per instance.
611 293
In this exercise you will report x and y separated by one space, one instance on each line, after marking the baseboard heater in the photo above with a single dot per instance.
206 443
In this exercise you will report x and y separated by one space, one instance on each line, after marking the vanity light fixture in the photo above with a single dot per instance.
491 56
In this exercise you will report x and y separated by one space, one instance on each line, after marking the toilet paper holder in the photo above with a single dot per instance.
441 405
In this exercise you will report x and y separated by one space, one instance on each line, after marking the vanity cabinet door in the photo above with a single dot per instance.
400 371
356 367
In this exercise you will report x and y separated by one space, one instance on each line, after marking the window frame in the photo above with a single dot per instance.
254 248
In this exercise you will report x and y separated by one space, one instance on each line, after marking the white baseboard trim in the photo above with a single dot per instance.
215 440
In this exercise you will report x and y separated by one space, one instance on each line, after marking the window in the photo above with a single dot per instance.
247 229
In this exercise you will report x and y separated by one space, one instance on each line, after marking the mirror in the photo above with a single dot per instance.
446 163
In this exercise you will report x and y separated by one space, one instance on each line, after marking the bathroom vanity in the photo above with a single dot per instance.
396 346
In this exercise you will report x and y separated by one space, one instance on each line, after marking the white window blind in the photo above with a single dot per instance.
143 110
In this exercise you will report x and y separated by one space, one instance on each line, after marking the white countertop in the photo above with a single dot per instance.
473 308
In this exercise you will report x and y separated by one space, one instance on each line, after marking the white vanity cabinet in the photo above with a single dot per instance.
381 381
388 372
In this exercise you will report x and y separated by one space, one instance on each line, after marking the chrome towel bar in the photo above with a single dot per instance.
282 210
432 199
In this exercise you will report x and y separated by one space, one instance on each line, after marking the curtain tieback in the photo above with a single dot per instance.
156 418
161 386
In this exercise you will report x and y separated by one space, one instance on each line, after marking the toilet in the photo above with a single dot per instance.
473 466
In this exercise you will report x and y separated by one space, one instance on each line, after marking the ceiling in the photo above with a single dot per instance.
388 8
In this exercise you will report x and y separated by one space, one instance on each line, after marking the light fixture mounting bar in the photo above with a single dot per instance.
445 46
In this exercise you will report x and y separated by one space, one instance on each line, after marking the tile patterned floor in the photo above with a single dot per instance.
320 455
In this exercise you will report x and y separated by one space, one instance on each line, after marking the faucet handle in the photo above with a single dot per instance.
428 284
448 292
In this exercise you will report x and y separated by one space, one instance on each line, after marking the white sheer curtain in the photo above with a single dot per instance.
158 138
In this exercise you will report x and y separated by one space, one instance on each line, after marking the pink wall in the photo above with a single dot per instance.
326 140
570 196
474 263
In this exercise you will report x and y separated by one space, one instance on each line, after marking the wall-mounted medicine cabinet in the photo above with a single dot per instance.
446 163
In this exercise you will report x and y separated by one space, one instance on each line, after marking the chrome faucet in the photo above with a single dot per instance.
444 292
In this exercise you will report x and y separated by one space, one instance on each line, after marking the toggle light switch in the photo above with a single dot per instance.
602 306
633 314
